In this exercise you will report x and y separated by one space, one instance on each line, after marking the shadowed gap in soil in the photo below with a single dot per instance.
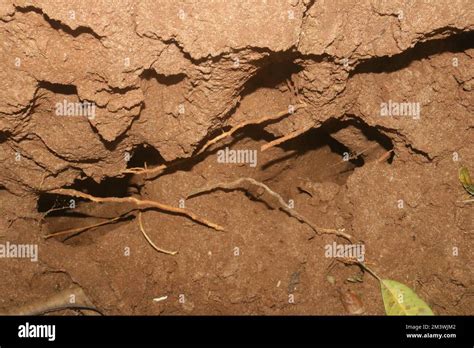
338 159
65 212
168 80
456 43
58 88
145 155
273 72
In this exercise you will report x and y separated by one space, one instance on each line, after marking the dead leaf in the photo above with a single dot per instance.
351 302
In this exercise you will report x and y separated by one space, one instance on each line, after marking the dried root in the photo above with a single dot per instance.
85 228
157 170
73 298
247 123
238 184
151 171
140 204
284 138
142 229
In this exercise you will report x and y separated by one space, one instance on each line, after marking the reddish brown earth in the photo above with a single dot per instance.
168 76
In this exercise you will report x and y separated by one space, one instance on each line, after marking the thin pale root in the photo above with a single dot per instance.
238 185
284 138
148 239
85 228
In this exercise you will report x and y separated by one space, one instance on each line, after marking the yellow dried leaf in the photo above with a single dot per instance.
466 181
399 299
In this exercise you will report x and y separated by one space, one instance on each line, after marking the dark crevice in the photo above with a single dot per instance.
173 41
59 215
4 136
118 90
308 7
254 132
312 140
58 25
53 204
371 133
407 144
145 154
342 150
58 88
420 152
318 137
109 187
167 80
187 164
455 43
272 72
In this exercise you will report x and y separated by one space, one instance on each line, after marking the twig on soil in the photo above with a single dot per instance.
142 229
238 185
352 261
139 203
159 169
74 298
285 138
372 273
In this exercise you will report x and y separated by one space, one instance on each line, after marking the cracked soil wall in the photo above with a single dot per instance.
168 76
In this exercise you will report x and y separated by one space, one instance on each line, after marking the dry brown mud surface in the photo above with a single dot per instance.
356 116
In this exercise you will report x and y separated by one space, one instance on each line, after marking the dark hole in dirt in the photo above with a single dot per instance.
342 150
321 155
272 73
312 140
371 134
54 204
167 80
58 88
65 212
145 155
116 187
4 136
